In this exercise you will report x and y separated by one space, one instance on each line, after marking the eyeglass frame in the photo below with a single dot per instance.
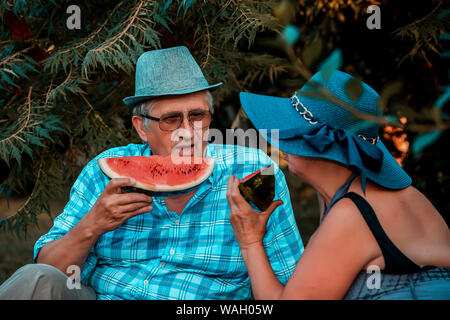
159 119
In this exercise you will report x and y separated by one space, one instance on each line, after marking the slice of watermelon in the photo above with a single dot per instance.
158 173
259 187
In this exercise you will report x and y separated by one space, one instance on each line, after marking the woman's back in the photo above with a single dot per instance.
411 222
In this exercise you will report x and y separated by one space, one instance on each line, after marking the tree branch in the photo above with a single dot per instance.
26 121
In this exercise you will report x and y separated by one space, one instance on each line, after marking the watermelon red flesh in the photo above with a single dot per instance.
253 174
157 173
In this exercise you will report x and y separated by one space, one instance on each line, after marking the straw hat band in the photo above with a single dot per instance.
308 116
168 85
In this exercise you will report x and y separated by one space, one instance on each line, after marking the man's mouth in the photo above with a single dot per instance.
185 150
187 146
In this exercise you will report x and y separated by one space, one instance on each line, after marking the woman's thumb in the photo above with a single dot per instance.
275 204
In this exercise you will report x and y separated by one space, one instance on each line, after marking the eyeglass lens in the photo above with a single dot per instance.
197 119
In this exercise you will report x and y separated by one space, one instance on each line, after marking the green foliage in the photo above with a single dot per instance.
332 63
291 34
354 89
62 90
423 140
425 33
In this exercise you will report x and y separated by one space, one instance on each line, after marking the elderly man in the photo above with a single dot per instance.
133 246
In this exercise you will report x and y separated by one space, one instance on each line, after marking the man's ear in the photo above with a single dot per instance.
138 124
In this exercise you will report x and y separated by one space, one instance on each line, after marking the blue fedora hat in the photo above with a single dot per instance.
310 126
168 71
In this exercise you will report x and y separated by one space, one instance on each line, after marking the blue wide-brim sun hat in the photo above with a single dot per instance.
170 71
312 126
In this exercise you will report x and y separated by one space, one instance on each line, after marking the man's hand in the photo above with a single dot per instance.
249 226
114 206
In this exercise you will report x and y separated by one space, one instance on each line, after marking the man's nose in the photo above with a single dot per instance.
184 133
186 128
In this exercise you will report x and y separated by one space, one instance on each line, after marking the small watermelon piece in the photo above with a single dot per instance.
157 173
259 187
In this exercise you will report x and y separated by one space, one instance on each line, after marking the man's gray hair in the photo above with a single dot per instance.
146 106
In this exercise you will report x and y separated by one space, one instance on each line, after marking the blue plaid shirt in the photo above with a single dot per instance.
163 255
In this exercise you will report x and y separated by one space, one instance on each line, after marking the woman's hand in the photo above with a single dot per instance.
249 226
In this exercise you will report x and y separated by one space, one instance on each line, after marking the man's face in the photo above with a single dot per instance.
186 140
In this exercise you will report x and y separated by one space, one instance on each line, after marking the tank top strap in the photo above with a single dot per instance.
395 260
339 194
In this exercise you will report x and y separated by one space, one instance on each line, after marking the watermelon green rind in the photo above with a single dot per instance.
164 182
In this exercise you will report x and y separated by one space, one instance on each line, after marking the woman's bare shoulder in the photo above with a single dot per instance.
412 223
345 219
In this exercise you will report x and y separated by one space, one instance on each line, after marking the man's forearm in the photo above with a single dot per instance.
71 249
265 284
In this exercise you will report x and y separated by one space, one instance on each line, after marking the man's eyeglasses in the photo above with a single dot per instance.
173 120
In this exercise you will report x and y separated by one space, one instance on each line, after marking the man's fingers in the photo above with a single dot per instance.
132 197
142 210
116 183
134 206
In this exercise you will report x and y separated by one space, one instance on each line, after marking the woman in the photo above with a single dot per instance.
379 237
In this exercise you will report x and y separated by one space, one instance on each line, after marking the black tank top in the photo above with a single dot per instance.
395 261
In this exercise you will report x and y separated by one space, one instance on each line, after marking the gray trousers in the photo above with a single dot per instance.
42 282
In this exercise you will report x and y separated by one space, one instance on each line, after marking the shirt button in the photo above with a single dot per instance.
162 264
177 221
172 252
146 282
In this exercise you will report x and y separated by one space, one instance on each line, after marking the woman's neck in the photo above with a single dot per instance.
327 180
